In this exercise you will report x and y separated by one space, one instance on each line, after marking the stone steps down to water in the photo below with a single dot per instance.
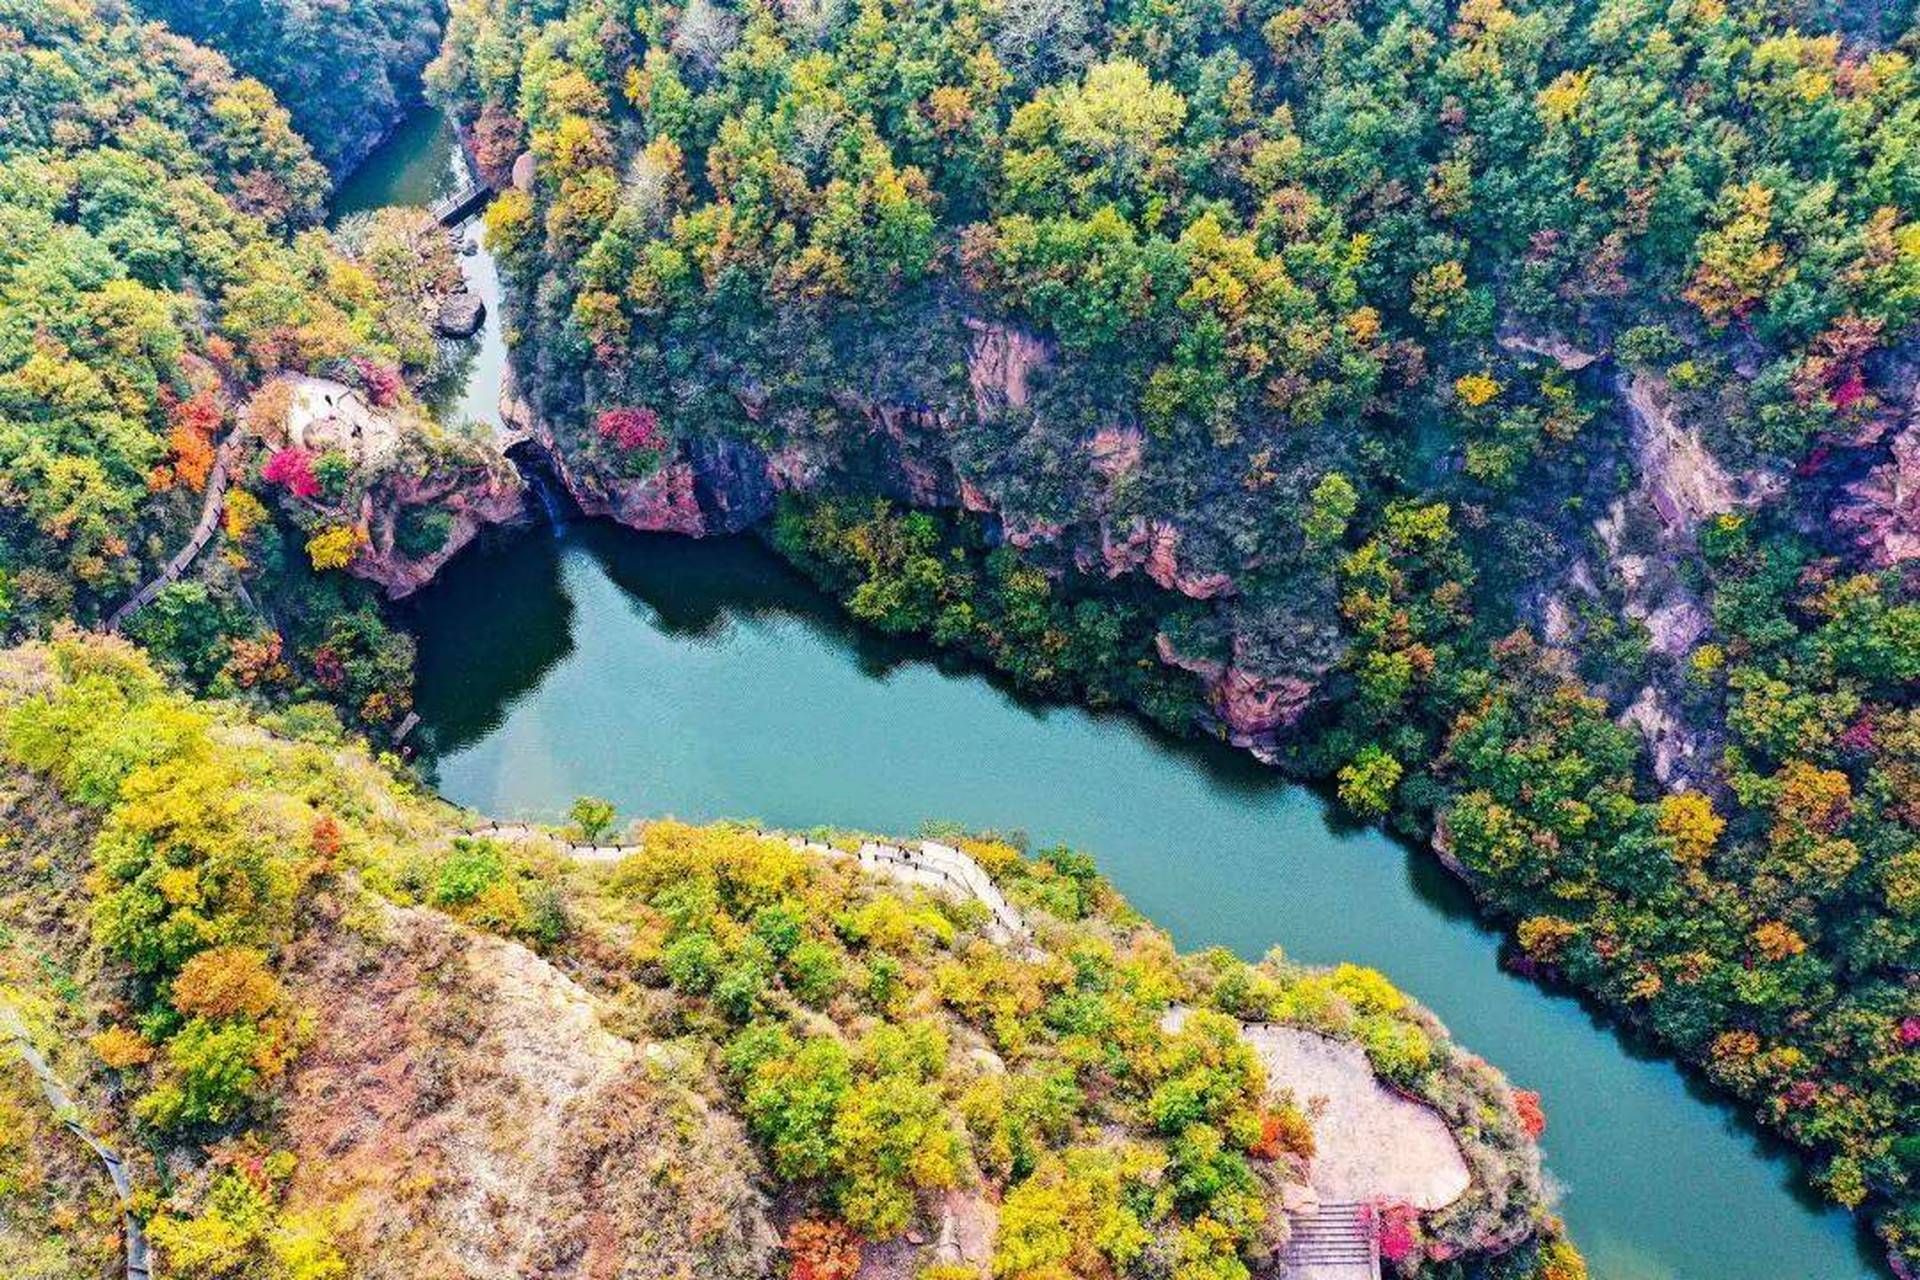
1332 1241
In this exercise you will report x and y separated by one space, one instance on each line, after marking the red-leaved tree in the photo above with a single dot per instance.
631 428
292 468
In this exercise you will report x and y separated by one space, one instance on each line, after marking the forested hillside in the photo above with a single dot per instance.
164 287
1501 410
347 69
313 1014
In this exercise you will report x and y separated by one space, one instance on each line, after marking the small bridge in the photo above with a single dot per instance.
454 209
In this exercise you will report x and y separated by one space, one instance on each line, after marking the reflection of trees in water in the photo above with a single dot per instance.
445 380
489 631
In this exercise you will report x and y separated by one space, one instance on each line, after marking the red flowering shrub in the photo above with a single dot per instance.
631 428
382 382
1526 1105
1397 1226
822 1251
292 468
325 836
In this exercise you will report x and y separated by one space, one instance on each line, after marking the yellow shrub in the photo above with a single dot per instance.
334 548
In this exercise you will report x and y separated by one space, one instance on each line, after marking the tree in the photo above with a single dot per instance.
1367 781
594 817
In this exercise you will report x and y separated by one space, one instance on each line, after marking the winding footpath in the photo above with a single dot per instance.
139 1257
937 866
1333 1238
211 509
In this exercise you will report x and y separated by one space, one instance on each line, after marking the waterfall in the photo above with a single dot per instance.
536 468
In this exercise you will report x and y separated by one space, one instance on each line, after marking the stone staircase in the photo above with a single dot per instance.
1332 1241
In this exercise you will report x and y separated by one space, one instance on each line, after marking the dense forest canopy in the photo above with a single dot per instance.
1496 408
347 69
162 268
1501 411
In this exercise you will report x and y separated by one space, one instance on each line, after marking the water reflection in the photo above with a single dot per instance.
710 680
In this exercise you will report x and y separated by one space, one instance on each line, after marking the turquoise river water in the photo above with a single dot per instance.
706 680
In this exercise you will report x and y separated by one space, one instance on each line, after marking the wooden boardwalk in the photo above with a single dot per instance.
212 507
139 1256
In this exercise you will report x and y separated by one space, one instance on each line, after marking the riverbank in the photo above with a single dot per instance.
712 680
1665 1180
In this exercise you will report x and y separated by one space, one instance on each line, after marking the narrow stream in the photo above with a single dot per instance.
706 679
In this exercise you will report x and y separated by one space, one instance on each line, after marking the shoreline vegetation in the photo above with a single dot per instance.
1502 417
1076 1095
1466 410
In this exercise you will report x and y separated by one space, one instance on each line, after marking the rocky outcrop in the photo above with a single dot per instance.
1882 511
1252 709
1255 708
472 499
1550 345
1116 451
1154 547
1679 476
1001 362
1680 752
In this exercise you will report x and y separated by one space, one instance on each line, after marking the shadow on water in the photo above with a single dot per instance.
709 678
515 624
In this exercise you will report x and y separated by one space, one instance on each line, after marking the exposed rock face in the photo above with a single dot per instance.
1255 708
1115 451
733 484
1001 361
1154 545
468 1101
1552 346
664 502
1680 477
1680 753
1883 510
460 315
473 498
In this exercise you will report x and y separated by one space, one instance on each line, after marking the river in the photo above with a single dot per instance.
707 679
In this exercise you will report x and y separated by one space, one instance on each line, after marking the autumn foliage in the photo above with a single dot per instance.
631 429
822 1250
292 469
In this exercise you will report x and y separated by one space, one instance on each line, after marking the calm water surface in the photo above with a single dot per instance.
705 679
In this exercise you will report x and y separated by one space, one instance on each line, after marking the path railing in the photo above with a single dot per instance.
212 507
139 1256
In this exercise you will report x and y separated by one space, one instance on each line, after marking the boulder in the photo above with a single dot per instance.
460 315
